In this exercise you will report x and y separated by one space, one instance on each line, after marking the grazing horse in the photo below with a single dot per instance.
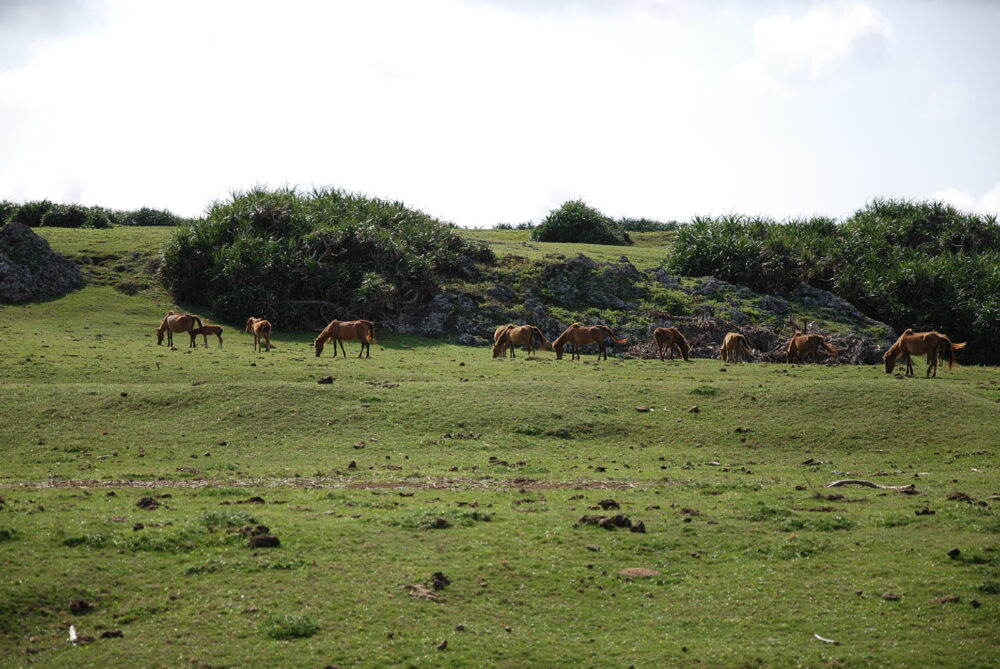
340 330
176 323
206 330
511 336
261 331
921 343
801 344
669 339
498 338
577 335
734 347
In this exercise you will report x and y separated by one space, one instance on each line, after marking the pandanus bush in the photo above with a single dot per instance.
924 265
270 252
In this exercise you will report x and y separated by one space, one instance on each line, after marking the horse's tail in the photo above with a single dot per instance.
614 337
833 352
745 345
948 348
371 332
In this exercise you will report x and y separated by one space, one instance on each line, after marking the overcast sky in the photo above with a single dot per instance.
486 111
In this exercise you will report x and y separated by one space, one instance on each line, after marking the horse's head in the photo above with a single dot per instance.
890 361
498 347
558 348
250 324
319 346
159 337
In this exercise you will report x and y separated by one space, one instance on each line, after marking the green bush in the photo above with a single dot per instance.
275 253
6 209
75 216
575 221
920 265
147 216
646 225
30 213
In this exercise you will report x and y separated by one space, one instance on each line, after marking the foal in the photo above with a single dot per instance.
261 330
206 330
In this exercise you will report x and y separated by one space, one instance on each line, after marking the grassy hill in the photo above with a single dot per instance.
430 457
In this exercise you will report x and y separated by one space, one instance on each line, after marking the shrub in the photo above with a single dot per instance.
30 213
921 265
6 209
273 253
575 221
646 225
147 216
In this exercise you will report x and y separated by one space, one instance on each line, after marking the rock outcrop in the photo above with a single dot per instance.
30 270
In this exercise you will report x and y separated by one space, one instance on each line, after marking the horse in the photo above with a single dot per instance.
498 350
261 330
176 323
340 330
206 330
511 336
577 335
800 344
734 347
930 344
669 339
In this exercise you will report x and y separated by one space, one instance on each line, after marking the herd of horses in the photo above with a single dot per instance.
735 347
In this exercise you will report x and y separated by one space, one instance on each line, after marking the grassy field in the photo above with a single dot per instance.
430 457
648 251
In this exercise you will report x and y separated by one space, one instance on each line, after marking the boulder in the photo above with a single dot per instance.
30 270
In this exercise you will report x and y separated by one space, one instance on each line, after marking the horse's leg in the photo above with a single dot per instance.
932 360
342 349
220 340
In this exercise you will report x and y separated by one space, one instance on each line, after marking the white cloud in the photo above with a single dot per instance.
806 49
988 203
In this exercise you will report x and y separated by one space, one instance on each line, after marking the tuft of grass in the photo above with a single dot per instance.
290 626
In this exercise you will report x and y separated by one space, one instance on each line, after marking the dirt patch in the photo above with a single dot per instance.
638 572
336 482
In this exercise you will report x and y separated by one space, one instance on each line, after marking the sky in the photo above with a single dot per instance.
487 111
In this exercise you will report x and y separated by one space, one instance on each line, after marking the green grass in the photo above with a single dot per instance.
649 250
754 555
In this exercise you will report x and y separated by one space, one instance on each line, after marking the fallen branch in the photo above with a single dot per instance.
869 484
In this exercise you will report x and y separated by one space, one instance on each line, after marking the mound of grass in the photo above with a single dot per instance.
290 626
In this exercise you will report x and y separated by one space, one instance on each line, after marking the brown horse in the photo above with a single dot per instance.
930 344
801 344
670 339
577 335
512 336
734 347
340 330
176 323
261 331
206 330
498 338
